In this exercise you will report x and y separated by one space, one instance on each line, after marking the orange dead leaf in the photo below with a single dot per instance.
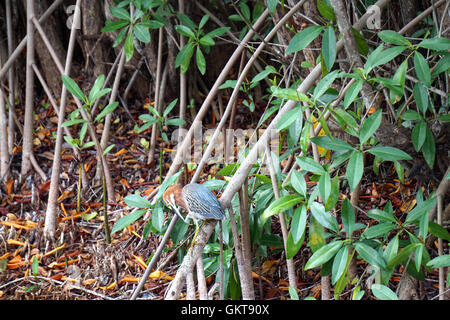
256 276
372 110
121 151
110 287
9 186
88 282
62 264
124 182
160 275
6 255
140 261
54 250
129 279
16 242
64 195
148 191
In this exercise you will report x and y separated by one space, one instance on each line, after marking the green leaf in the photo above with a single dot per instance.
175 122
422 69
441 44
298 182
334 195
419 210
98 84
218 32
325 186
73 88
381 215
402 255
108 149
120 36
325 84
329 47
184 57
325 218
289 94
158 218
69 123
429 148
355 169
369 126
120 13
440 262
207 41
370 255
339 264
332 143
114 25
272 5
393 37
35 266
379 56
152 24
418 135
348 217
200 59
378 230
203 21
316 235
289 118
438 231
292 247
129 47
325 10
442 65
141 32
389 153
352 93
308 164
125 221
185 31
280 205
137 201
298 223
167 182
302 39
324 254
293 293
382 292
107 110
411 115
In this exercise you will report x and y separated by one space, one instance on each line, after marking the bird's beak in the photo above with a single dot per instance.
177 211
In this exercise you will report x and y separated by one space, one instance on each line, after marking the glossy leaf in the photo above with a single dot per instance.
441 44
325 218
352 93
355 169
308 164
324 84
440 262
298 182
302 39
370 255
329 47
325 10
200 59
418 135
382 292
280 205
73 88
429 148
402 256
393 37
381 215
422 69
339 264
332 143
125 221
324 254
348 217
389 153
289 118
298 223
419 210
369 126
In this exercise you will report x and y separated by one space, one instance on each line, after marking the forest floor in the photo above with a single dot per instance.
80 265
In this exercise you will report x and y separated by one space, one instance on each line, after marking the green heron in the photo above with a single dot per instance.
198 201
